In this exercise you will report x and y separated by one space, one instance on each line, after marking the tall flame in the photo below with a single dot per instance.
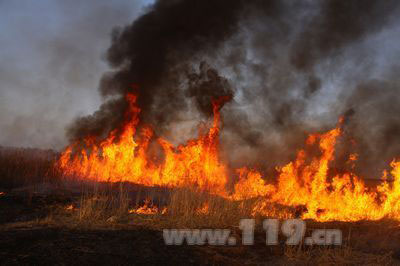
124 158
303 182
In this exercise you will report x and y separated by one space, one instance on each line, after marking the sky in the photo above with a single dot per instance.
51 61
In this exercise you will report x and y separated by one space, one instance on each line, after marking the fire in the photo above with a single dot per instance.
204 209
70 207
125 159
251 185
302 182
148 208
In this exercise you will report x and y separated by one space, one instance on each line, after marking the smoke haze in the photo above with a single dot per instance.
51 62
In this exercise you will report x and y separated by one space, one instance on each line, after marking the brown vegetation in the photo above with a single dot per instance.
86 213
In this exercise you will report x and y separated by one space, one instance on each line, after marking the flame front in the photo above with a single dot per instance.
303 182
125 159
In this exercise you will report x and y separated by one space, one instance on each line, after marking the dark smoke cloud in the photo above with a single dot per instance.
151 50
206 86
338 24
295 61
375 125
292 67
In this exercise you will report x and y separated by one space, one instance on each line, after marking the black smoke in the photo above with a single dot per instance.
149 53
277 59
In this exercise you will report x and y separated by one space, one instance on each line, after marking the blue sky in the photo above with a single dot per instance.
51 60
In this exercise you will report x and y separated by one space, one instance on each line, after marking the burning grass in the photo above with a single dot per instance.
306 181
115 185
119 207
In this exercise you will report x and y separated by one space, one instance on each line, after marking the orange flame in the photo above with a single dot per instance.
70 207
148 208
125 159
303 182
204 209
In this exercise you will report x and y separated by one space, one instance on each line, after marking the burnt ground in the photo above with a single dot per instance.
26 240
29 237
58 246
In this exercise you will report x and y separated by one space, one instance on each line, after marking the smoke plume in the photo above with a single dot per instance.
291 67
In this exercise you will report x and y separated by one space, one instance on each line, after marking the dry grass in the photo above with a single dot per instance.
195 209
26 167
100 207
182 208
110 206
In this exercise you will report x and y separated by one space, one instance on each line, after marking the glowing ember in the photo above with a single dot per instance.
148 208
303 182
70 207
2 194
203 210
